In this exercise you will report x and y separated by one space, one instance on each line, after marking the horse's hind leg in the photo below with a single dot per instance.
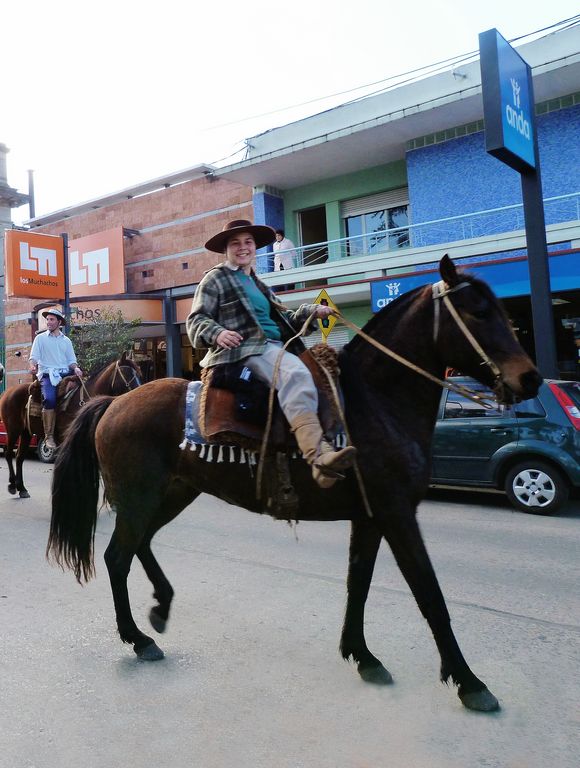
16 457
162 589
9 456
404 537
23 447
365 540
118 556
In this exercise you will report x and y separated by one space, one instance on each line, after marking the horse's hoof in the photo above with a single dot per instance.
480 701
12 489
24 495
377 675
158 623
151 652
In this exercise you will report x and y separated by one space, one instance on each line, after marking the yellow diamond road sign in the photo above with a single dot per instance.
327 324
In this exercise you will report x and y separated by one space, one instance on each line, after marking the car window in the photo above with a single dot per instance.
459 407
529 409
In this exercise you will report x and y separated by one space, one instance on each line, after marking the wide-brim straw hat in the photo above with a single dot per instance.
262 234
56 313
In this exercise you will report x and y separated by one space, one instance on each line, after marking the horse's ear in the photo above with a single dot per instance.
448 271
124 356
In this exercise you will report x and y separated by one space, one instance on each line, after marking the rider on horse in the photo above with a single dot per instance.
237 317
52 356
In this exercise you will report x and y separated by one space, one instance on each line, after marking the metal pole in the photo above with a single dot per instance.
66 302
172 338
540 293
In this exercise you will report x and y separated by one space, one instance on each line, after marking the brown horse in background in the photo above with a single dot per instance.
133 443
114 378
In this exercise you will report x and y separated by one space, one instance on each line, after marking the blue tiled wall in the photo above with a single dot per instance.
458 176
268 209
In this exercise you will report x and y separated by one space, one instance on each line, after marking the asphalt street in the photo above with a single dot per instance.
252 676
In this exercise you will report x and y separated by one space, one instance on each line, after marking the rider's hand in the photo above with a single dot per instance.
77 371
324 311
229 339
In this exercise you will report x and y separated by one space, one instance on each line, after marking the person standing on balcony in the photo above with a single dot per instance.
52 356
284 255
284 260
236 317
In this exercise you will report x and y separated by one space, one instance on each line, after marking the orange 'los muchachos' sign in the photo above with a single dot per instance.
34 265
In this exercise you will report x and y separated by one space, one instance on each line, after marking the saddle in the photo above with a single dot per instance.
234 411
234 404
64 392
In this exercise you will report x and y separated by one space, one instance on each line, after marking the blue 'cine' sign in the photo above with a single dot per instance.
508 102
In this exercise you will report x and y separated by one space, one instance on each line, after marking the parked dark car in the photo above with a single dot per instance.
530 450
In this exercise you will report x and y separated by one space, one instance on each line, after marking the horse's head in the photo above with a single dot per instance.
126 375
473 335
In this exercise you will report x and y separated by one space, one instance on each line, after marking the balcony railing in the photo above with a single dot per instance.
494 221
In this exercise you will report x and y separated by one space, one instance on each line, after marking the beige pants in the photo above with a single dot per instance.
297 392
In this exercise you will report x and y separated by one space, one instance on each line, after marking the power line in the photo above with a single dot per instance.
428 69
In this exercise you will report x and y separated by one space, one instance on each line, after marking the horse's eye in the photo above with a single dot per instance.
479 314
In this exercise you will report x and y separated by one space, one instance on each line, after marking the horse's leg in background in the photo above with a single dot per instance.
15 457
162 589
402 533
9 454
365 539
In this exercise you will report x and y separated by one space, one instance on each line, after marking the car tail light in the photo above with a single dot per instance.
570 408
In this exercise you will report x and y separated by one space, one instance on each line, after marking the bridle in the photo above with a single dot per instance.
128 383
440 292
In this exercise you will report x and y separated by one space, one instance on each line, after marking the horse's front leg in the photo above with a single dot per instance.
365 539
404 537
118 556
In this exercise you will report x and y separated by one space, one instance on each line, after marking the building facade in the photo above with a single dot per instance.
372 193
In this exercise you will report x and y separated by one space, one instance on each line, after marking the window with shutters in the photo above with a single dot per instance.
377 223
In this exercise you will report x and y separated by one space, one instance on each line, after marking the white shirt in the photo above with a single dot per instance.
54 355
286 260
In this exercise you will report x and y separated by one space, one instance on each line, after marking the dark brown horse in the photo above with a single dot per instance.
114 378
134 442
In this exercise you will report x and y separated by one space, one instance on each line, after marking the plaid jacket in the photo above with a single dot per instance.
220 304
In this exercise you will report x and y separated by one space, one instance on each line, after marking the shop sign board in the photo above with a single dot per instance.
508 103
97 265
34 265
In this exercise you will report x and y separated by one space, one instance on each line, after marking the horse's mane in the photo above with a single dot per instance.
396 307
401 304
100 367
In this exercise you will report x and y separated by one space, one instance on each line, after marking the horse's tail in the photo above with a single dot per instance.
75 493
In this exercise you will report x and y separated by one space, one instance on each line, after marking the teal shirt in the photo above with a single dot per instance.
259 304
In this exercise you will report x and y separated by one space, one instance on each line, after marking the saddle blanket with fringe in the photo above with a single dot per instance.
193 439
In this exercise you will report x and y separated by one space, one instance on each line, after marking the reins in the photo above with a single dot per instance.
440 292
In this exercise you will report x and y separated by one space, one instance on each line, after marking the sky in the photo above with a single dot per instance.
97 97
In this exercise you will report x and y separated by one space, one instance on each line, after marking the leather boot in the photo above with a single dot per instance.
327 463
48 419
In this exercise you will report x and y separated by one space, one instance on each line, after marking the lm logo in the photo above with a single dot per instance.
39 260
90 268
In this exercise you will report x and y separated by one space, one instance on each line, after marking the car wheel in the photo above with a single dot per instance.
45 454
536 487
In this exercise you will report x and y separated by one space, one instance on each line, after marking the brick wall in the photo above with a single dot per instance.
174 224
